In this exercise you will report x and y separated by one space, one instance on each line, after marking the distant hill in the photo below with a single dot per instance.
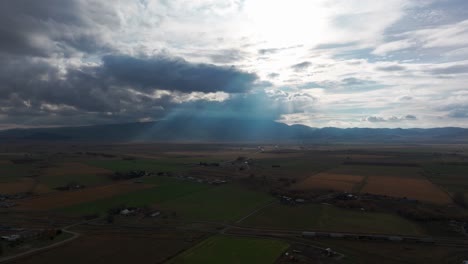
232 130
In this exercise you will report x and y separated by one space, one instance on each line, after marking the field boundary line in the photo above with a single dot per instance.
256 210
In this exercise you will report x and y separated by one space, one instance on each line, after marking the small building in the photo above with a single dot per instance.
11 238
155 214
126 212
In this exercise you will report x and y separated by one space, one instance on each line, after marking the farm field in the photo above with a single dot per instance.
19 186
329 218
419 189
115 247
369 170
161 189
64 199
151 165
262 196
10 172
358 252
74 172
329 181
224 203
453 177
227 249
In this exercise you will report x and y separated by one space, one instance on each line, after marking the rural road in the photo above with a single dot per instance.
60 243
36 250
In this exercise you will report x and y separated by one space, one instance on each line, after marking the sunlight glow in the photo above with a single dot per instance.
285 23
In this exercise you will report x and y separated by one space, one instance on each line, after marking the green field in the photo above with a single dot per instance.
13 172
223 203
226 250
358 252
452 177
330 218
167 189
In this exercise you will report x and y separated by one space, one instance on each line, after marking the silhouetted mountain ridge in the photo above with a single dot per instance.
231 130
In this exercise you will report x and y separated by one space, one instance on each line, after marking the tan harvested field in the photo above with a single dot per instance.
74 168
419 189
63 199
368 170
329 181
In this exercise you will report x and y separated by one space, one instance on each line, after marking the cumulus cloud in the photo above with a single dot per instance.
86 61
53 27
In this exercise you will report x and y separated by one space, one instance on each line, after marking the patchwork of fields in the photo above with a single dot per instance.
59 199
400 182
199 193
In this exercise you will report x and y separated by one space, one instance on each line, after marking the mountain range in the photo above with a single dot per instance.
232 130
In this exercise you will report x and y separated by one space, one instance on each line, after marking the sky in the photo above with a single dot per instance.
321 63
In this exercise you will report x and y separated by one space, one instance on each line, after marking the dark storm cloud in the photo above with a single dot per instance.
176 74
41 28
391 68
120 89
301 66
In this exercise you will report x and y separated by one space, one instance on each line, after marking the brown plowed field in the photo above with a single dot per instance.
23 185
63 199
329 181
419 189
115 248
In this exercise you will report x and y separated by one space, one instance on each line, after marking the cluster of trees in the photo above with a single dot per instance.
117 176
206 164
